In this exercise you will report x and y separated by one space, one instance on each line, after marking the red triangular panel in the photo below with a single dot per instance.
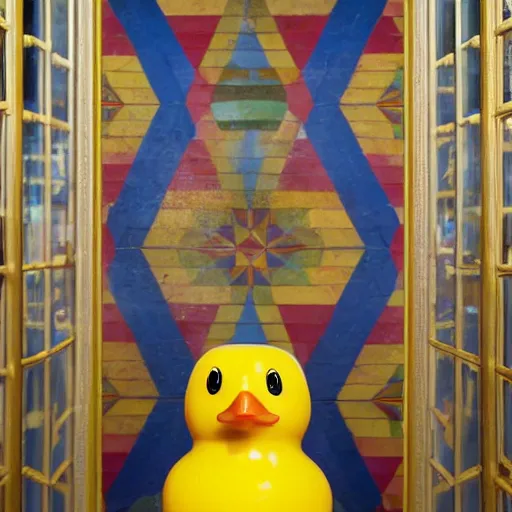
385 38
299 99
301 35
115 41
382 469
199 98
114 176
114 326
196 170
116 448
194 323
397 248
304 171
305 326
194 33
389 329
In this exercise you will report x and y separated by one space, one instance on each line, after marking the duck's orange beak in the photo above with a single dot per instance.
246 408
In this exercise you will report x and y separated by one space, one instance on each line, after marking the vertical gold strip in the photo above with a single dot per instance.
490 251
97 265
416 267
432 250
14 256
88 346
457 363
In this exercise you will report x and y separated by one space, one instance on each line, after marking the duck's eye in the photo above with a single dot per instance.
214 381
274 383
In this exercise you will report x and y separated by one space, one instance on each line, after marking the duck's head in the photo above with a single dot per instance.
247 390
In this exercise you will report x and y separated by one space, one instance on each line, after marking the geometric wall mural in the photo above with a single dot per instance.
253 193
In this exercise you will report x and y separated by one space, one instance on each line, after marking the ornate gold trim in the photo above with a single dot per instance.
96 497
416 254
489 248
14 256
88 347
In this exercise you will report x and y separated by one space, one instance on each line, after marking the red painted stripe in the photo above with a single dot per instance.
115 41
304 171
397 248
114 326
389 175
395 193
114 176
115 443
394 8
389 329
194 34
301 35
385 38
299 99
385 160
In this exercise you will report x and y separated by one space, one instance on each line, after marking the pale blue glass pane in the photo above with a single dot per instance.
470 86
443 412
3 327
507 67
2 64
33 79
507 442
2 432
445 95
507 190
443 497
60 93
61 389
471 193
470 14
446 163
60 27
507 502
507 9
445 301
60 381
507 320
445 240
33 417
3 204
61 440
470 418
34 317
63 305
61 230
471 313
59 499
445 27
32 496
33 18
471 500
33 192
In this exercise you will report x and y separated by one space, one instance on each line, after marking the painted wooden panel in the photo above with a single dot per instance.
253 193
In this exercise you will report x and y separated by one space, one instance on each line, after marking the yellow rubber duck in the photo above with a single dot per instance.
247 408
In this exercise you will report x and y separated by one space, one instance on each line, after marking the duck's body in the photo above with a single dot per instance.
247 430
243 479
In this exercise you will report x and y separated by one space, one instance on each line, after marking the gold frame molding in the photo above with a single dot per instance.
14 257
489 245
416 254
89 270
